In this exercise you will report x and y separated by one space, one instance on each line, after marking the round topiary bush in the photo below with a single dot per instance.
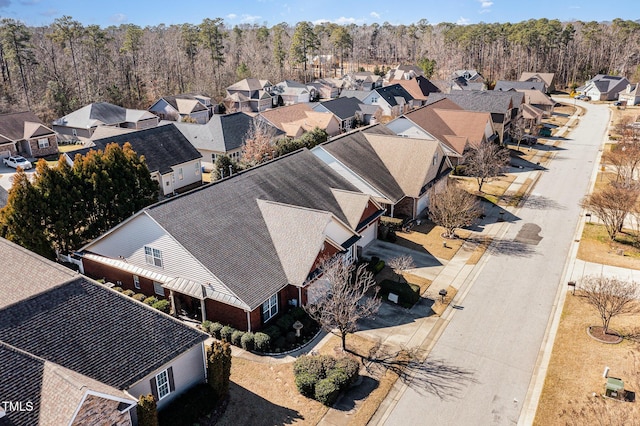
339 377
247 342
214 329
129 293
226 332
162 305
150 300
306 384
350 367
139 296
262 342
326 392
205 326
236 337
118 289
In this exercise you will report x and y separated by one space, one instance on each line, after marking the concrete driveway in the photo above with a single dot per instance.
6 175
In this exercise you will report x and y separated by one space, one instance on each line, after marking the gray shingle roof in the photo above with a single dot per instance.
22 376
83 326
97 332
223 133
343 108
222 226
12 125
488 101
162 147
173 101
504 85
356 153
392 92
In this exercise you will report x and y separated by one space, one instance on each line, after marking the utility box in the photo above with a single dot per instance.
614 388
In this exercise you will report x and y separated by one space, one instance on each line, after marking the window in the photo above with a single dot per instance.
435 159
43 143
162 383
157 288
153 256
180 174
136 281
270 308
213 157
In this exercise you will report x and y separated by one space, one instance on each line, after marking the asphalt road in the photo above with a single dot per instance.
487 353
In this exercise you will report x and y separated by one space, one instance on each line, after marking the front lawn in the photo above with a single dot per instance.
595 246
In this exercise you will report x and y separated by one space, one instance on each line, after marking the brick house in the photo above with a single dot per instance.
24 134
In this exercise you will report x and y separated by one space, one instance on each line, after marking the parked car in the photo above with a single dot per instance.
617 103
583 98
545 132
17 161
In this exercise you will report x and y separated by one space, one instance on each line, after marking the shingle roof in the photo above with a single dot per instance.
419 87
249 84
162 147
354 150
489 101
504 85
22 125
100 113
547 77
222 226
393 93
358 94
536 97
609 83
185 103
118 344
343 108
427 118
286 114
223 133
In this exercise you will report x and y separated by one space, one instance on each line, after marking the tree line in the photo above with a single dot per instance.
58 68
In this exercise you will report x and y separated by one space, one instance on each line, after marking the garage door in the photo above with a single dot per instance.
368 235
423 203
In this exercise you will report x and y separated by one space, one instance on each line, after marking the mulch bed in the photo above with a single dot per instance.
597 333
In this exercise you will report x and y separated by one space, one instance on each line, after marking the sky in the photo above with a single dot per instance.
271 12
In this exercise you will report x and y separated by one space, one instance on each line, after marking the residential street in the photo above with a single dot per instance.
497 333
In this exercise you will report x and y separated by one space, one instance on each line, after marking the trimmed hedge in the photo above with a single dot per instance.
306 384
214 329
326 391
236 338
162 305
226 332
407 293
129 293
150 300
205 325
139 297
262 342
118 289
323 377
247 341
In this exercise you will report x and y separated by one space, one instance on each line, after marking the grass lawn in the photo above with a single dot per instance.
428 237
575 371
480 249
595 246
491 190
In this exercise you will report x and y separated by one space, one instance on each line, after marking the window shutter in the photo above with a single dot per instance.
154 388
172 385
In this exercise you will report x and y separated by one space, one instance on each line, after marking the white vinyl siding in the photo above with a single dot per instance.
270 308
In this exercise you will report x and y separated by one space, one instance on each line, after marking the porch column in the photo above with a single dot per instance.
173 304
203 310
392 210
300 296
248 320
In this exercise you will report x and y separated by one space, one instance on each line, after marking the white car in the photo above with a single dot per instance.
17 161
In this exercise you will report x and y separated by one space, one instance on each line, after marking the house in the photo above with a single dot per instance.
445 121
250 95
403 72
631 94
505 85
74 352
344 109
470 75
504 107
358 94
362 80
542 77
173 162
396 171
327 88
393 100
603 87
294 120
419 88
466 80
244 248
22 133
532 116
184 107
222 135
81 123
291 92
539 100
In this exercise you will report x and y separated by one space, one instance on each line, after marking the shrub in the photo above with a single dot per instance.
129 293
291 337
246 341
298 313
379 266
150 300
236 337
273 332
215 328
285 322
262 341
317 366
139 296
226 332
306 384
205 325
326 392
118 289
350 367
339 378
407 293
280 343
162 305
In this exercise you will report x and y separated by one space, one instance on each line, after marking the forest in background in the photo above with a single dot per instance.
59 68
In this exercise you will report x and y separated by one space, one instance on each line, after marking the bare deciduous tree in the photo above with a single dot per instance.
610 297
612 205
451 207
338 299
400 264
625 159
258 146
485 161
